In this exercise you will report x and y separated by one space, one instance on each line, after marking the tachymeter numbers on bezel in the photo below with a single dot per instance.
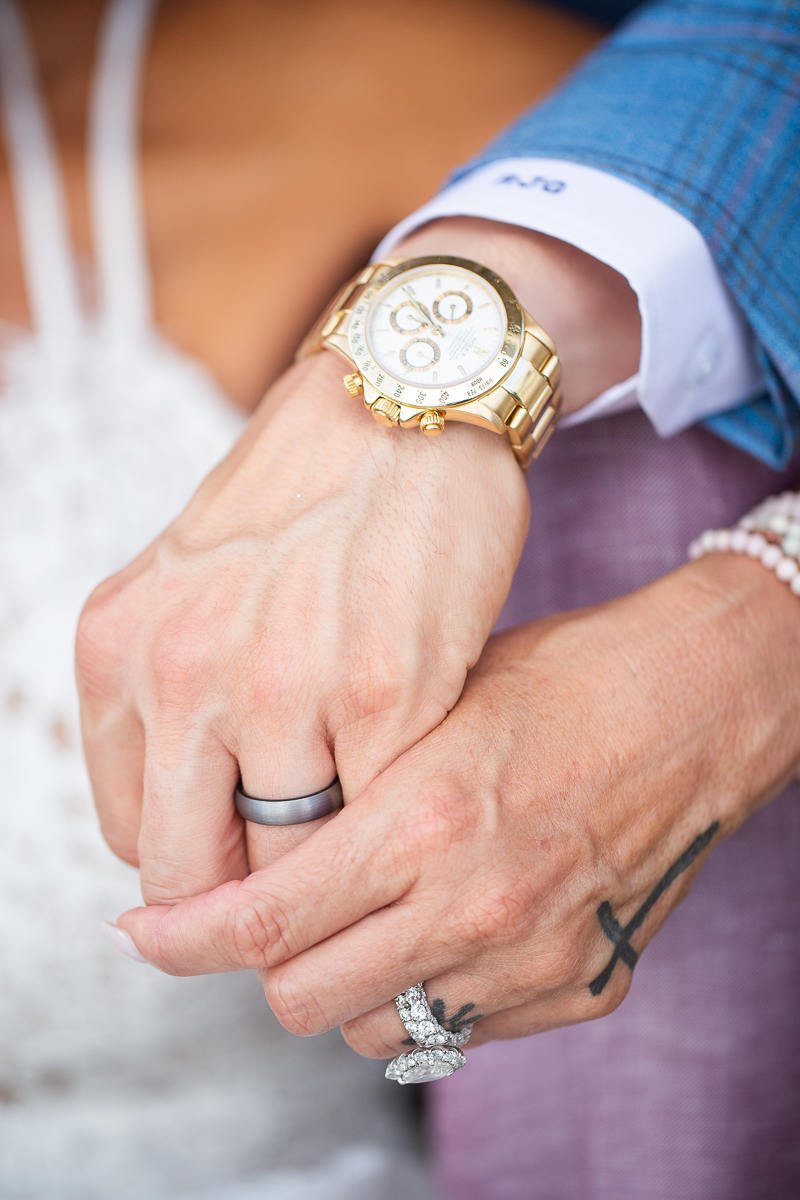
434 328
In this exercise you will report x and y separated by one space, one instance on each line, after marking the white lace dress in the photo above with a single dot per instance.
116 1082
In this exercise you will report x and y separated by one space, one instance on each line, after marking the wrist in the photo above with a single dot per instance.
352 447
683 694
588 309
743 631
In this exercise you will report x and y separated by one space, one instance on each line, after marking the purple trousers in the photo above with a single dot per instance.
691 1089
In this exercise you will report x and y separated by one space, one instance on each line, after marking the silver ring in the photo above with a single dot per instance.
289 812
438 1051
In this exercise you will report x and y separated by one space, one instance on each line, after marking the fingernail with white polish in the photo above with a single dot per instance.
122 941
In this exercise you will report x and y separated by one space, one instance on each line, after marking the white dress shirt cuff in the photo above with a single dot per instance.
698 355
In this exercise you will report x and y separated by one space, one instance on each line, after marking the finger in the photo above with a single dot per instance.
447 935
457 1001
280 769
347 869
114 748
192 838
471 999
198 744
546 980
570 1008
266 844
112 732
369 963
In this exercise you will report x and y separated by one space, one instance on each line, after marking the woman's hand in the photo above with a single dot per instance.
522 855
324 594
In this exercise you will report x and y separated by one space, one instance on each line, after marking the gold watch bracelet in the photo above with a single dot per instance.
527 401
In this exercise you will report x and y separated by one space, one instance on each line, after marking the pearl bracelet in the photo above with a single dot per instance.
770 533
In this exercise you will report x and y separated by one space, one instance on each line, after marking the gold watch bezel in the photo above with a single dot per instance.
412 396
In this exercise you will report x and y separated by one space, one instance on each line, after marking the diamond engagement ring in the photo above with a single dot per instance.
438 1051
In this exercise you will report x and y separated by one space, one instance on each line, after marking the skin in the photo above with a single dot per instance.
586 754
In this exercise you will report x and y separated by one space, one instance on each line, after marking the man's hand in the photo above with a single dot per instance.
522 855
314 610
318 605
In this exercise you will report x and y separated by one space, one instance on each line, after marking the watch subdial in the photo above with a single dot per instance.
405 319
420 354
452 307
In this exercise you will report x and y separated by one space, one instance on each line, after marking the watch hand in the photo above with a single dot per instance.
416 305
423 312
431 321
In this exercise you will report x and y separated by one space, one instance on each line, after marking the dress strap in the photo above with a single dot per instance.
122 269
50 273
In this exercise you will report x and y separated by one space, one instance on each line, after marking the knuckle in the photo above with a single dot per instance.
586 1007
162 888
98 639
295 1008
256 931
270 681
376 685
121 840
180 657
362 1035
557 964
442 820
561 966
501 913
609 1002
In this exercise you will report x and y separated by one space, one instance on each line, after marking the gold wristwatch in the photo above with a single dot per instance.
438 339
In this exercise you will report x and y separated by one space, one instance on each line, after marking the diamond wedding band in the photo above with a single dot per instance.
289 812
438 1051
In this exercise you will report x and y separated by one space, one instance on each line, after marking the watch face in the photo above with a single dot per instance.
434 333
436 327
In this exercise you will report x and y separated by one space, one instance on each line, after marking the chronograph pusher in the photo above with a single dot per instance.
434 339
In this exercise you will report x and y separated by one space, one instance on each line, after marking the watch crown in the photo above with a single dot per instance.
354 384
386 412
432 422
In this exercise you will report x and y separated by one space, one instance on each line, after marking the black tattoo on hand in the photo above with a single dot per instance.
459 1020
620 935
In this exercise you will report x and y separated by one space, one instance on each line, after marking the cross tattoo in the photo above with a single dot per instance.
621 935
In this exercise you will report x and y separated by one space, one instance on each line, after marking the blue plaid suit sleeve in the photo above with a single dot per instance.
696 101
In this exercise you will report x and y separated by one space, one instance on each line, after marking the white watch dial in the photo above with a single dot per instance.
436 327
